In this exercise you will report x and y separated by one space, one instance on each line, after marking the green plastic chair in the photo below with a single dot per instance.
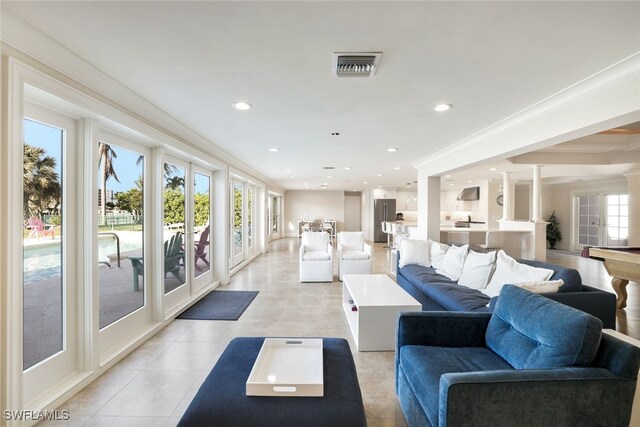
173 254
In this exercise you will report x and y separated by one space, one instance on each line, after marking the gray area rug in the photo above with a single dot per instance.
220 305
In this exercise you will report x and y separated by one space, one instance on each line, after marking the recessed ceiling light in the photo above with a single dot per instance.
306 183
324 183
274 150
242 106
288 171
379 186
397 168
379 174
442 107
329 176
469 181
447 176
451 185
392 150
493 169
293 176
365 182
348 168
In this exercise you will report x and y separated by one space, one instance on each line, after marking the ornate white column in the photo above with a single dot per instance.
536 212
506 197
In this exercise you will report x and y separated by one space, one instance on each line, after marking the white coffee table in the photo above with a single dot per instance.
378 300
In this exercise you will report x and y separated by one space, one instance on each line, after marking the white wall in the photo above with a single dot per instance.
559 198
303 204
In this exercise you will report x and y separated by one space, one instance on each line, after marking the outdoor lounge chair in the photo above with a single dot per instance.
173 254
37 228
200 247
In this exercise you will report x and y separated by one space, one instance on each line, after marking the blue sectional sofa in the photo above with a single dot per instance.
533 362
439 293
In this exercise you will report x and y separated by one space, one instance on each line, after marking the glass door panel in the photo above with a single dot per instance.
249 217
589 210
43 243
617 222
50 268
121 255
202 227
237 218
174 243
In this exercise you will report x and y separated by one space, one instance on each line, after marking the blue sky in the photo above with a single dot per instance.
50 138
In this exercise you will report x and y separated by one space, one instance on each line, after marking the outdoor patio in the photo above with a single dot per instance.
43 298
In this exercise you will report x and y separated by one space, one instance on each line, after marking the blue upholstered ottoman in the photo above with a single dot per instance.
222 400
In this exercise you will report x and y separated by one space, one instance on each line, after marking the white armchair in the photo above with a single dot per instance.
354 255
316 258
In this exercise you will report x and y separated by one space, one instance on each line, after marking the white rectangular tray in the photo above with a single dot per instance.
288 367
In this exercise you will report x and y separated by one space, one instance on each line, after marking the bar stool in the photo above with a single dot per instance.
387 229
493 240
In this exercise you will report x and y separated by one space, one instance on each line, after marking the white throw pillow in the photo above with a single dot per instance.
414 252
437 251
542 286
509 271
453 262
477 269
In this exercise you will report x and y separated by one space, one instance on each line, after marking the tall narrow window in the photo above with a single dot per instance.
275 210
121 255
617 220
174 227
43 245
249 216
237 218
202 224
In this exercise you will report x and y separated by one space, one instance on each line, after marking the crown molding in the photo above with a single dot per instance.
28 40
524 122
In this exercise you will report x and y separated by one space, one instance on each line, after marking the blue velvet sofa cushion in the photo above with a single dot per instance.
444 291
425 365
552 335
570 277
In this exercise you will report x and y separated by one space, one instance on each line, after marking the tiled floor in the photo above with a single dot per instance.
154 385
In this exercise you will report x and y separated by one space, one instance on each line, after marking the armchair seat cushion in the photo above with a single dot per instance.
316 256
425 365
355 255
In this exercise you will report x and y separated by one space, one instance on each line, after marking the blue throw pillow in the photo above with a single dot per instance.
533 332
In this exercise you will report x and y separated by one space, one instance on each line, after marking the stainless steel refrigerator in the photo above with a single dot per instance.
383 210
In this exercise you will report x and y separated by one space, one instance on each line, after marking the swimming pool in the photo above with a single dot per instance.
43 261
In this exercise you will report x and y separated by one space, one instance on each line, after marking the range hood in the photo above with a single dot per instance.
469 194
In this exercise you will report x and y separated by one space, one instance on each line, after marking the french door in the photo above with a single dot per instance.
601 219
186 242
238 234
50 266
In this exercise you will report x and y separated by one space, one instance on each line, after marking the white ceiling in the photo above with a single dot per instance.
194 59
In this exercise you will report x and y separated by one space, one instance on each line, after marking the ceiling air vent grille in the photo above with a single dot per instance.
352 64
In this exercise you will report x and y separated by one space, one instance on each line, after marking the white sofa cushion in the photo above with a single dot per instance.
437 251
414 252
316 256
509 271
542 286
354 255
351 240
453 262
477 269
315 241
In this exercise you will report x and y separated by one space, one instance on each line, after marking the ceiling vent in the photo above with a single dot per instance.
328 167
355 64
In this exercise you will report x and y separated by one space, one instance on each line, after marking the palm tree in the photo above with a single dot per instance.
169 169
107 154
40 181
174 183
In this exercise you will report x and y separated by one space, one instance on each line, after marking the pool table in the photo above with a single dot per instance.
623 264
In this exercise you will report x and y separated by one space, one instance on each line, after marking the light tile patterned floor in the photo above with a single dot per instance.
154 385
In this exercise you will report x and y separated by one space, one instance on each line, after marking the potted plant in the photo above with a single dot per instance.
553 230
